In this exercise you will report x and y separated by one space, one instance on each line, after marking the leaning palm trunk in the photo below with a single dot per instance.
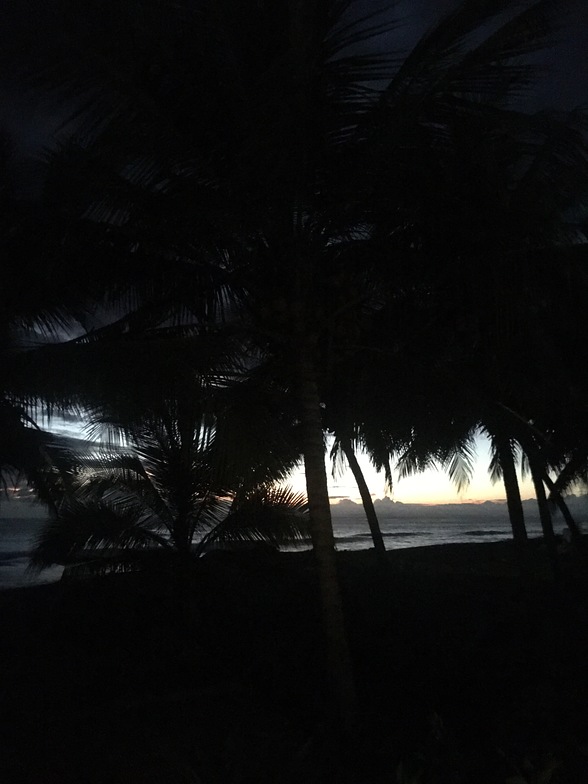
366 499
338 654
512 491
513 502
544 513
571 523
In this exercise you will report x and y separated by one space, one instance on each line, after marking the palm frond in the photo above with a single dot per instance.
271 515
412 461
575 471
494 67
44 460
380 450
443 58
256 437
348 30
338 461
494 468
84 530
459 465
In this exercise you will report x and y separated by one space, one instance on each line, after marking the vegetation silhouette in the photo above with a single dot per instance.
162 500
270 174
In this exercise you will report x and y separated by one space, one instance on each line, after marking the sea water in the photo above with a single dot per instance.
402 525
354 534
420 525
17 538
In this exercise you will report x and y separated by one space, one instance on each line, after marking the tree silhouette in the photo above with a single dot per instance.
264 170
162 499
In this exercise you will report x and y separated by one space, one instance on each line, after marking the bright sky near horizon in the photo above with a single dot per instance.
429 487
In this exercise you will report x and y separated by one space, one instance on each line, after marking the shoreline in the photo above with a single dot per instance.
457 557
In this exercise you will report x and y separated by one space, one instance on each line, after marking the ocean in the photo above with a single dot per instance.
420 525
17 537
403 525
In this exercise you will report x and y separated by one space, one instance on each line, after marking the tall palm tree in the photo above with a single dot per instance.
345 447
256 170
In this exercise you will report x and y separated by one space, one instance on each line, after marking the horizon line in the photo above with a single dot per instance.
337 500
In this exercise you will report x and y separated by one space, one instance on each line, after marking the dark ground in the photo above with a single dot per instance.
462 676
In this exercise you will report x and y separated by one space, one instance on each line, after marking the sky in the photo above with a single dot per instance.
430 487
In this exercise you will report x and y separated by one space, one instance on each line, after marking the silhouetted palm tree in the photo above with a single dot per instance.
257 170
161 499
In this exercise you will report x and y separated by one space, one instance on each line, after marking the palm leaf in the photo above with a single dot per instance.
271 515
443 60
459 464
43 459
86 530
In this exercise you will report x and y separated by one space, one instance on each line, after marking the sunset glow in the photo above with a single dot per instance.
429 487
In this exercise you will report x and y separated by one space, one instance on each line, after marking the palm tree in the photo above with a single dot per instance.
345 447
559 451
161 500
32 455
252 171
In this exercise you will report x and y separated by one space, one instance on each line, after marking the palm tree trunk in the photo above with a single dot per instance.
572 525
303 40
338 654
366 499
544 514
511 488
514 504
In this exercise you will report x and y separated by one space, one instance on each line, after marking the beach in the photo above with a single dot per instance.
460 670
404 526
